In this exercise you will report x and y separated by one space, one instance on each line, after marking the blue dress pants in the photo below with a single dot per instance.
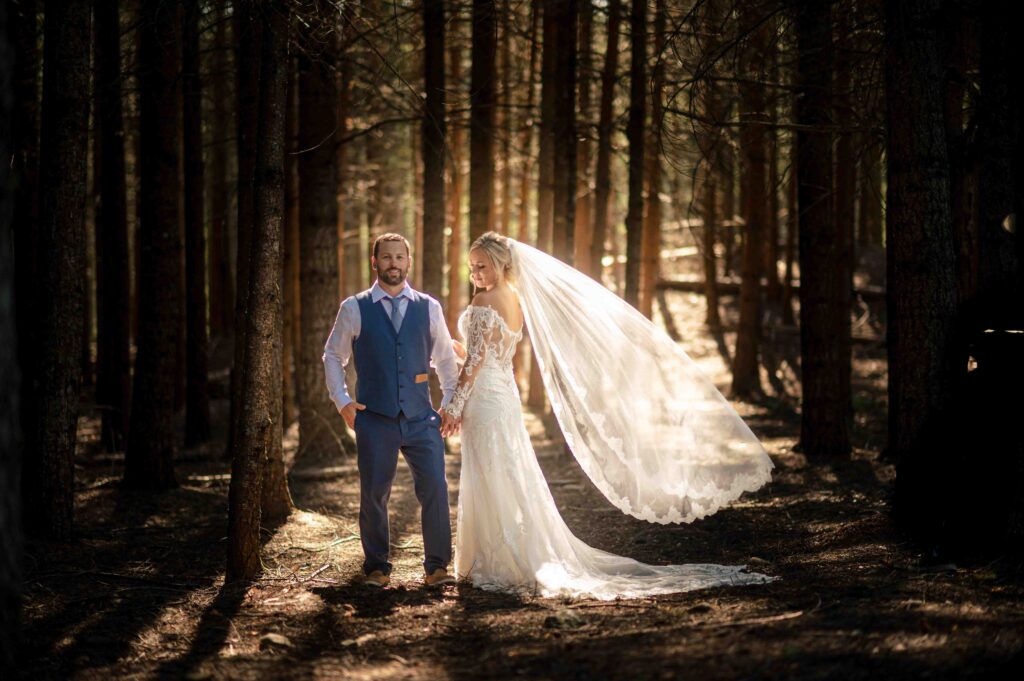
378 441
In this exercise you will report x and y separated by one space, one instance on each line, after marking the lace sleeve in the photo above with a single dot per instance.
482 336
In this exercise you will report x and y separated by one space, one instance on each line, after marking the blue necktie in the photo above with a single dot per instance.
396 315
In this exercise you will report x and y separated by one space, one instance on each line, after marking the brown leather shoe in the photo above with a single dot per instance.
438 577
376 579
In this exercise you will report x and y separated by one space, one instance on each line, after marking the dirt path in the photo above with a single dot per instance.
140 595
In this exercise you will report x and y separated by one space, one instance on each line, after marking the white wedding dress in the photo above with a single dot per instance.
510 535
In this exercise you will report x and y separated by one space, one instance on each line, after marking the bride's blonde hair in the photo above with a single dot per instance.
498 249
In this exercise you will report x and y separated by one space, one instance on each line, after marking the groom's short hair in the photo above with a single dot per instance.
390 236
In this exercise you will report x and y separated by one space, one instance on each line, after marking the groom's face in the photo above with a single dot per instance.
392 262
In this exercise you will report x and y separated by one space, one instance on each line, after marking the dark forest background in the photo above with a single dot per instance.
191 187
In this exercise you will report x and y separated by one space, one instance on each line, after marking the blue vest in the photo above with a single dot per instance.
392 367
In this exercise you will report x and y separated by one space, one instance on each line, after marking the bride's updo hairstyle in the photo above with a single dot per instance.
498 249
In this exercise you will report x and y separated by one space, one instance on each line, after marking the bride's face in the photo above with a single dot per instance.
482 271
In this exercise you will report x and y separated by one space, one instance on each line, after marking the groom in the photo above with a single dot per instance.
394 334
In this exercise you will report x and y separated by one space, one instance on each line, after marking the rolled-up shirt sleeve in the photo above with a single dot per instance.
442 355
338 351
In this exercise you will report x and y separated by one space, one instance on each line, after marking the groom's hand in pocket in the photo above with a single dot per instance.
348 412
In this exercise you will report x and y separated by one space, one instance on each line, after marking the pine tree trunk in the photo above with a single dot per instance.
483 105
602 171
528 126
845 159
48 485
260 431
746 373
564 17
219 259
583 230
197 395
546 152
291 337
318 235
24 168
113 288
650 251
824 277
921 258
503 222
10 426
247 68
152 440
433 137
792 224
635 135
456 263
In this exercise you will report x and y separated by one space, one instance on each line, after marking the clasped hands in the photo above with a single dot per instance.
449 424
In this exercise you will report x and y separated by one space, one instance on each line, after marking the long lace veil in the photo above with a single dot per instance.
648 428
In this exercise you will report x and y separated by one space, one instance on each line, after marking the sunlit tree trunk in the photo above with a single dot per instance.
433 137
635 134
564 19
483 106
260 421
602 172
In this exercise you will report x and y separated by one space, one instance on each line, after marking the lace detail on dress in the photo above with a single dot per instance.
489 342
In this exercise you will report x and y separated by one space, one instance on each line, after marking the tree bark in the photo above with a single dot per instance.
433 138
824 278
10 426
318 235
651 246
291 335
602 171
746 373
197 395
260 431
583 230
247 68
546 151
24 168
564 17
483 105
635 134
113 287
48 486
221 287
456 264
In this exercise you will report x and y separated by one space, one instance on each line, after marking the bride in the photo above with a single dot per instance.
651 432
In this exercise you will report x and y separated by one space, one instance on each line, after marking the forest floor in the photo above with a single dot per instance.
141 594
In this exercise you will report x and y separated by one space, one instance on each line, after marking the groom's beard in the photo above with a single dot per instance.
392 277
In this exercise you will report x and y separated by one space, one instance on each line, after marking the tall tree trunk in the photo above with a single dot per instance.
197 399
291 336
921 259
507 118
247 68
152 440
433 138
728 184
771 250
869 215
221 288
24 166
602 171
10 426
564 17
113 287
583 230
48 486
483 104
824 280
260 431
635 134
792 224
845 159
546 151
528 126
650 250
318 234
746 373
456 264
